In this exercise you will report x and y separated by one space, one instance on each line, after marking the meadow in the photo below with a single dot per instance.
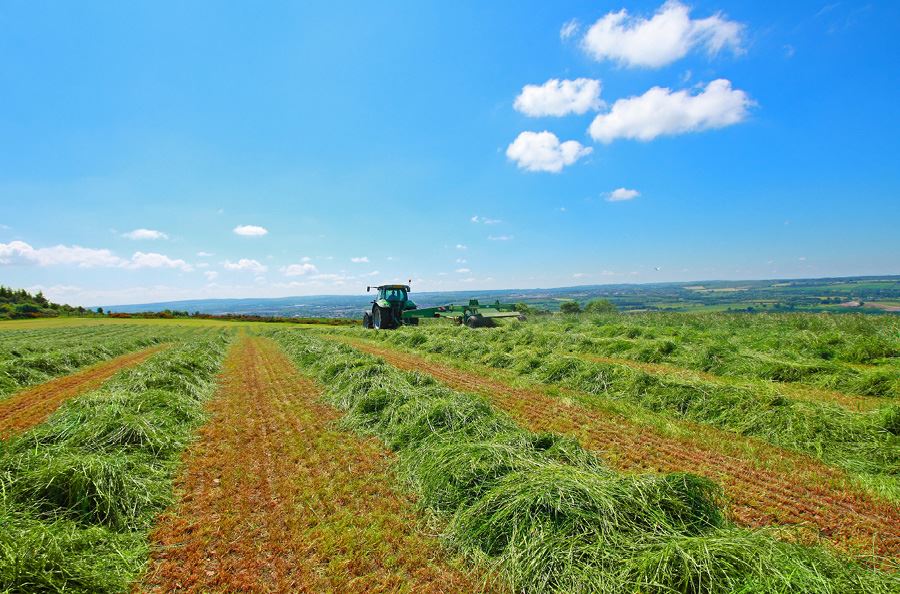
593 453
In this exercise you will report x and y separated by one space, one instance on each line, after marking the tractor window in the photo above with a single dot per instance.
395 294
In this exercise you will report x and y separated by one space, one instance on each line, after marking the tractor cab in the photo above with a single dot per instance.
388 307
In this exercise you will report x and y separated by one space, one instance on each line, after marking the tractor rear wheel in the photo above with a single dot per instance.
367 320
411 321
381 318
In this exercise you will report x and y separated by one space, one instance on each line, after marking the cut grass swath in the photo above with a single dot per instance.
79 493
548 516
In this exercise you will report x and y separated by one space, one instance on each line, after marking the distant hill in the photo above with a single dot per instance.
870 294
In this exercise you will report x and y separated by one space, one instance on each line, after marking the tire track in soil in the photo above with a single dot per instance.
27 408
275 498
812 494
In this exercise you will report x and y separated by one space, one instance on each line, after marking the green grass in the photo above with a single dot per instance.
79 493
546 515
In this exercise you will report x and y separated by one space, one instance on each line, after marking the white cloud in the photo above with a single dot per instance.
245 264
569 29
154 260
299 269
19 252
463 270
460 246
485 220
305 259
661 111
211 275
460 260
360 260
500 237
250 230
660 40
145 234
204 254
621 194
580 275
542 151
559 97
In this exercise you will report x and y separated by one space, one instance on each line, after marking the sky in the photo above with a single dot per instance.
171 150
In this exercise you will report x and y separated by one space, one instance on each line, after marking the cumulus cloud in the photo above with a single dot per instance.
154 260
360 260
245 264
620 194
662 39
250 230
569 29
542 151
19 252
661 111
559 97
145 234
299 269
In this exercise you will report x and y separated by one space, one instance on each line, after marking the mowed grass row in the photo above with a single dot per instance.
548 516
866 444
79 493
29 357
855 354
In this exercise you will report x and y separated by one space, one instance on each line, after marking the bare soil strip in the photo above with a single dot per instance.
790 389
773 486
275 498
32 406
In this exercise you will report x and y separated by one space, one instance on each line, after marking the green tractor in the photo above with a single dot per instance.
393 308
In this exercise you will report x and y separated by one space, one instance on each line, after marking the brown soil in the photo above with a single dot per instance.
32 406
773 486
275 498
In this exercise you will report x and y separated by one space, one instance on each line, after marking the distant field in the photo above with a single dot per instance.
643 452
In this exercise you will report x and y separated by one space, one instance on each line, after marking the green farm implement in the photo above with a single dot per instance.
393 308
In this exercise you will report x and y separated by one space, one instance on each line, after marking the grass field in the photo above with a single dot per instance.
642 453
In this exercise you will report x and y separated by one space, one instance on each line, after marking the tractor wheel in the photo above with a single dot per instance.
381 318
367 321
411 321
473 322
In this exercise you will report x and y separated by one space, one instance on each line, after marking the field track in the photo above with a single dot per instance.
32 406
811 493
275 498
790 389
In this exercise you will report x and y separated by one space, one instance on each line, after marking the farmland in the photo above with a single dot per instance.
655 452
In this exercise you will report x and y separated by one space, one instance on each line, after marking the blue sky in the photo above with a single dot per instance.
145 149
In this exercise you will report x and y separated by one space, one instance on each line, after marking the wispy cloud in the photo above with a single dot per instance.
500 237
360 260
205 254
569 29
485 220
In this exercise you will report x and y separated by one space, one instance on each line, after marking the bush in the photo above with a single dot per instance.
570 307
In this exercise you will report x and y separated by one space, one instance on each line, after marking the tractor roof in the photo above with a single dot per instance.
405 287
